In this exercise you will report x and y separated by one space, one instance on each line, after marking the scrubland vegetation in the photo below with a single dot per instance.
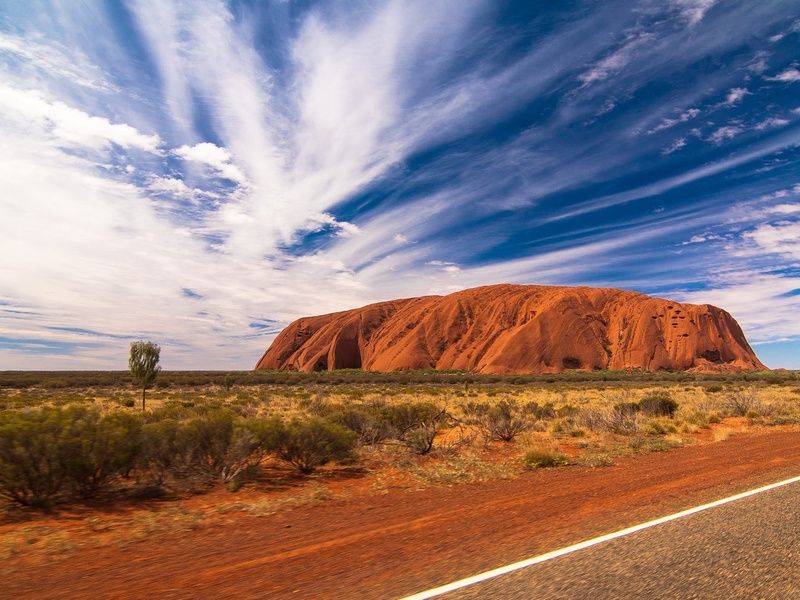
68 443
80 460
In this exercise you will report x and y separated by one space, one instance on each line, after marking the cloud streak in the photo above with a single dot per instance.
184 170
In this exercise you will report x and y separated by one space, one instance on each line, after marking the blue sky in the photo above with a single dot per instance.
201 173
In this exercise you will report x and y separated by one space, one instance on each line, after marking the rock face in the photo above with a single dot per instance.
517 329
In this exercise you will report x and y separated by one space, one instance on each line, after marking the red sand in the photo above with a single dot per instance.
385 546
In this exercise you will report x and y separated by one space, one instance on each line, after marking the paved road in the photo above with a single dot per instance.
747 549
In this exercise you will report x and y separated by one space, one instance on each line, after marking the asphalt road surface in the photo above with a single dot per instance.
749 548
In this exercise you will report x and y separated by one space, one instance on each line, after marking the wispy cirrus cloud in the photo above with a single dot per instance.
694 10
33 52
790 75
269 161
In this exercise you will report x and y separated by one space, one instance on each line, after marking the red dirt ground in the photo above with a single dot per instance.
385 546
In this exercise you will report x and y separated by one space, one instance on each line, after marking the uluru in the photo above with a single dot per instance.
517 329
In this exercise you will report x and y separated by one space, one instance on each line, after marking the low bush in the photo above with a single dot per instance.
309 444
33 446
596 459
659 426
658 404
567 427
73 450
100 448
544 458
165 450
622 418
223 446
415 424
367 421
741 402
503 421
647 444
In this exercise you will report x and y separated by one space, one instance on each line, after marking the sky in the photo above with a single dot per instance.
201 173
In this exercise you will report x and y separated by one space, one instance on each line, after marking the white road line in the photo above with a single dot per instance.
535 560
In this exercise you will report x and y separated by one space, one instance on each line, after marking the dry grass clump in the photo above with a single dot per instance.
544 458
742 402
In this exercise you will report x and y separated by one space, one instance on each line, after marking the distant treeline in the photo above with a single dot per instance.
167 379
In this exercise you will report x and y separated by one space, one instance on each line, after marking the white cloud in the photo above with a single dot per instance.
682 118
694 10
213 156
735 95
771 123
785 209
173 186
70 126
697 239
675 146
343 228
725 133
359 91
71 64
789 75
617 59
779 238
759 62
761 302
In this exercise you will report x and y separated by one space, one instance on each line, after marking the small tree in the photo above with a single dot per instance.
143 363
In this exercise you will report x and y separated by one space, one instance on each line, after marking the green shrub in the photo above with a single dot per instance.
543 458
100 448
658 404
221 446
312 443
32 449
43 451
165 449
415 424
699 418
367 421
503 421
542 413
409 415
